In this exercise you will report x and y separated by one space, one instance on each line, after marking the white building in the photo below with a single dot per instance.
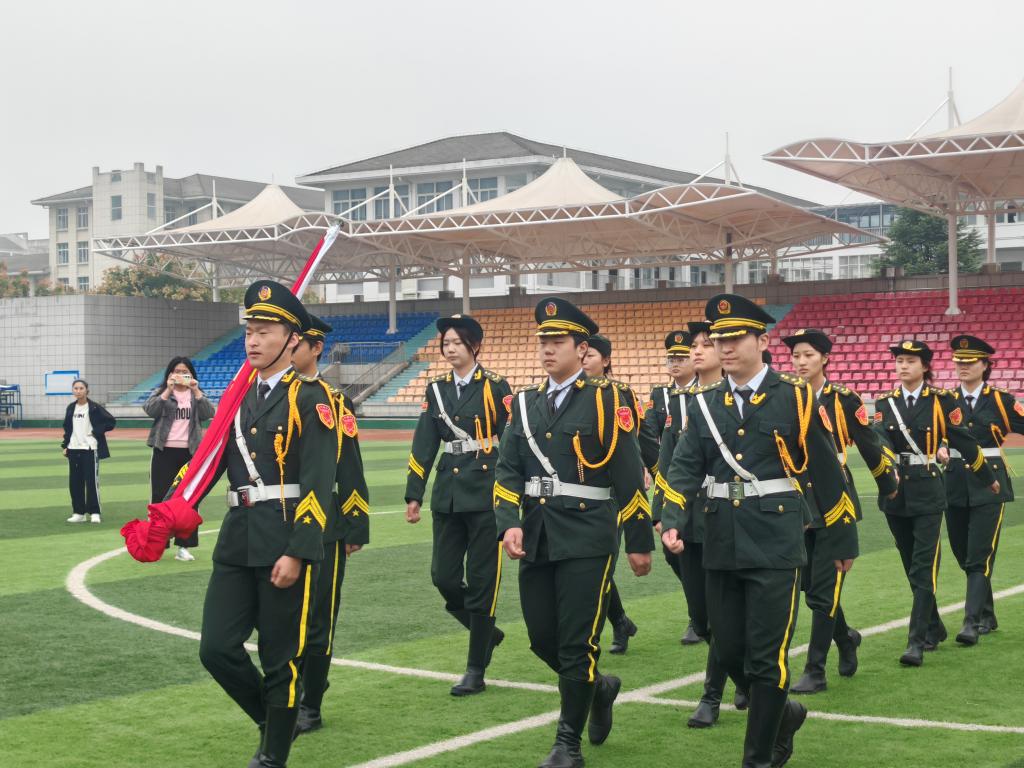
130 202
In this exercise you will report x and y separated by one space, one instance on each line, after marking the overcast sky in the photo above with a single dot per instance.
271 90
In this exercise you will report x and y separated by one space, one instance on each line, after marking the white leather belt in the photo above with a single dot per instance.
736 491
248 495
912 460
538 487
458 447
988 453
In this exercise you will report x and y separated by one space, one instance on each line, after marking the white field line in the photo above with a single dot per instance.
899 722
75 584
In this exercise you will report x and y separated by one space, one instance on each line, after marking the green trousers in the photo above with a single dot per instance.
240 599
466 562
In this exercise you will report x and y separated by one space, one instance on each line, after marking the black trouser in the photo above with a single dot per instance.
238 600
84 481
692 575
323 622
974 536
163 468
919 541
466 562
564 605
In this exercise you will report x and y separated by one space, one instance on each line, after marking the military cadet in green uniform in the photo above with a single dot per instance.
464 413
822 583
747 441
597 364
656 420
569 477
348 530
281 460
974 515
914 419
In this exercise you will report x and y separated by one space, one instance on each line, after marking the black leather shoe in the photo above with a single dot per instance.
968 634
621 632
690 636
811 681
741 700
792 718
913 656
704 716
562 756
605 692
848 654
471 682
309 720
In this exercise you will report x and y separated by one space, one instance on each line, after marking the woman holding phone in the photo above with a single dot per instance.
179 409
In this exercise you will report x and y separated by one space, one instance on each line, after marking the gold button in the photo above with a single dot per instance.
543 500
735 502
781 508
547 435
252 454
970 423
252 431
485 467
736 478
810 484
456 470
456 418
582 505
279 427
741 431
739 456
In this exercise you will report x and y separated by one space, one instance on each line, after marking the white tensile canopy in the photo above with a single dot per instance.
973 168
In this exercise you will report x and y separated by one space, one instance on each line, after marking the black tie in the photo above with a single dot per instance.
970 404
262 391
910 402
458 390
552 399
742 393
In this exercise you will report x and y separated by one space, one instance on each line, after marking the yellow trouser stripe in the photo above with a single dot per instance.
597 618
995 540
935 561
835 594
497 584
783 671
303 621
334 596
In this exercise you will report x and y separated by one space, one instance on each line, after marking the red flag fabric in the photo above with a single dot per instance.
146 540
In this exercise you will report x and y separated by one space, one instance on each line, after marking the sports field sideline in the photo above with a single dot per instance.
82 687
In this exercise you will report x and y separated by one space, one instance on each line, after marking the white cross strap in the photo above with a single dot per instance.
459 433
906 432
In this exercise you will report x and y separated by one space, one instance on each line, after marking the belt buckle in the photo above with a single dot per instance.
737 492
245 498
457 448
904 459
547 486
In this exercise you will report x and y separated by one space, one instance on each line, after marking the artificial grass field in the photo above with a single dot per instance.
79 688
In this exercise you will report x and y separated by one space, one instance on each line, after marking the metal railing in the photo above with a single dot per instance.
361 352
371 378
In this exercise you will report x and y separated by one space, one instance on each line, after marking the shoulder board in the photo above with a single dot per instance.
530 388
842 389
303 378
796 381
679 391
597 381
619 385
707 388
884 395
941 392
493 376
438 379
999 390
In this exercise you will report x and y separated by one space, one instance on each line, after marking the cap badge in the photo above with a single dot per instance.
264 293
964 343
724 307
678 338
551 309
456 317
907 345
801 332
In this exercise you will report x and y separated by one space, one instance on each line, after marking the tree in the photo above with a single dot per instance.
152 277
13 287
918 242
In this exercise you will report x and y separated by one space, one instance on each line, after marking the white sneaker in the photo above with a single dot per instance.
76 518
184 555
94 518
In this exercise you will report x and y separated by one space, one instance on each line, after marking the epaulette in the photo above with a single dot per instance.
440 378
677 391
1000 390
890 393
706 388
938 391
796 381
302 377
619 384
842 389
529 388
597 381
496 377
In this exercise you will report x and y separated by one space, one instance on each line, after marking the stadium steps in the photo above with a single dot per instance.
396 384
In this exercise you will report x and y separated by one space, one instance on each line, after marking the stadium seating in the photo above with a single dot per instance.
863 326
637 331
370 331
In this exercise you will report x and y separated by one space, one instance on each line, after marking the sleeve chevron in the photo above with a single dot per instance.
309 506
354 505
416 467
504 494
637 506
843 507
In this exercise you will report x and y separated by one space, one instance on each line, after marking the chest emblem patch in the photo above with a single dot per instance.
956 416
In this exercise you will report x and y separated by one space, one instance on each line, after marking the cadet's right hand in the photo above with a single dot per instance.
995 487
65 450
942 455
412 512
670 538
512 543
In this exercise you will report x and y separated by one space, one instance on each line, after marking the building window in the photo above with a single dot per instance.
168 212
514 181
83 217
83 252
345 202
62 253
382 205
62 219
484 189
428 190
83 283
193 218
150 177
151 205
115 207
63 282
115 177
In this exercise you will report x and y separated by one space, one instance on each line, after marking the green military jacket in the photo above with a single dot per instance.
647 438
295 423
995 415
652 428
590 440
936 417
760 532
351 522
849 424
463 482
675 424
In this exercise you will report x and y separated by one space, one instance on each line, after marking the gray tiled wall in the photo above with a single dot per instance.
115 342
